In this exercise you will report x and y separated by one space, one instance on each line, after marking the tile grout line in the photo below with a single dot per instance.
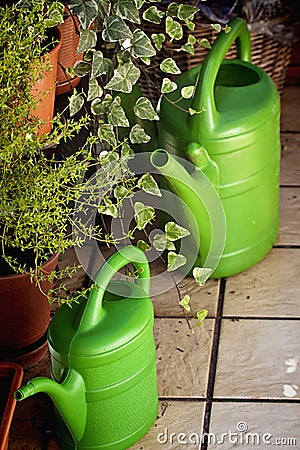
213 364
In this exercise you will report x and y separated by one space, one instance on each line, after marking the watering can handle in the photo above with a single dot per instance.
204 90
127 255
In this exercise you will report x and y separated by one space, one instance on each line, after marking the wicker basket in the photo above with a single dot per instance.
267 53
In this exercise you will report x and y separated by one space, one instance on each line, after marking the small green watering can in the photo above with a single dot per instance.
234 119
103 361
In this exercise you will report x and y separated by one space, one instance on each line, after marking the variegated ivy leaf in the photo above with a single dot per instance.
187 91
201 316
121 192
109 208
55 15
117 116
174 231
216 26
185 303
168 65
143 245
141 45
106 133
146 61
161 243
172 9
75 103
116 30
126 9
143 215
189 48
174 29
82 68
138 135
168 86
187 12
201 274
153 14
126 151
149 185
227 28
88 39
144 109
204 42
124 78
175 261
158 39
85 11
103 10
100 64
191 25
95 90
139 3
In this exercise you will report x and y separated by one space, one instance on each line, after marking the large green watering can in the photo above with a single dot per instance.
103 361
234 120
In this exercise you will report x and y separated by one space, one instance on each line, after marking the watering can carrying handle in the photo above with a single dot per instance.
204 90
127 255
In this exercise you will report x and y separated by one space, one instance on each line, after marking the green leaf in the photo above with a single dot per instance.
143 215
168 86
168 65
187 12
201 316
144 109
227 29
126 9
142 245
173 29
204 42
106 133
174 231
216 26
82 68
88 39
138 135
201 274
158 39
85 11
152 14
149 185
76 102
116 30
192 112
175 261
185 303
161 243
100 65
124 78
141 45
117 116
187 91
95 90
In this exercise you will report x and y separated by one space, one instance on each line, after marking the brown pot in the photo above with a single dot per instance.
11 376
67 55
24 317
44 89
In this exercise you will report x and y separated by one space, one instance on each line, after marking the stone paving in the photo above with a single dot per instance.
237 379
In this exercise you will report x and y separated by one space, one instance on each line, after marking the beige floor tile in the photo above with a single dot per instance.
254 426
182 357
167 303
271 288
290 159
289 232
259 359
290 109
183 419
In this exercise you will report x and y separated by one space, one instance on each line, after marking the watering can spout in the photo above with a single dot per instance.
68 397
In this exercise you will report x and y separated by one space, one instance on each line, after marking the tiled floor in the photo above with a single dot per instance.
235 383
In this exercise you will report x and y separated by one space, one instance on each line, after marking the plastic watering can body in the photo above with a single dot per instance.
235 116
106 342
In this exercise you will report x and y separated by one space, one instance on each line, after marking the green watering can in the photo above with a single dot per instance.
103 361
234 122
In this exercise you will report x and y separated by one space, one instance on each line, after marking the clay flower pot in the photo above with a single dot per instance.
11 376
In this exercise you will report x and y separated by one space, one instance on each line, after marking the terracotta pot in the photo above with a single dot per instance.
11 376
67 55
24 317
44 89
